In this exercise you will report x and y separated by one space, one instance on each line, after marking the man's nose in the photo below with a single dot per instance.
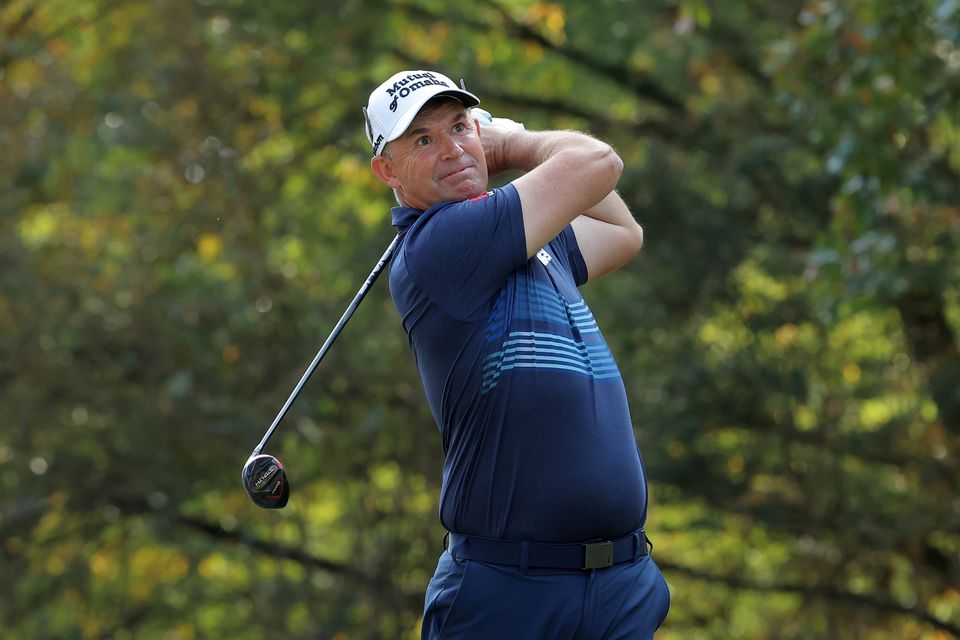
451 147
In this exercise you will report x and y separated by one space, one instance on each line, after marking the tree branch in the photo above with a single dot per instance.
407 599
599 122
877 603
129 622
933 346
70 26
639 84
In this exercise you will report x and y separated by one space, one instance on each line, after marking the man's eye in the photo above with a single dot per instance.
422 141
459 127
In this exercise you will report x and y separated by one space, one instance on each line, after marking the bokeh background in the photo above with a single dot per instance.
186 209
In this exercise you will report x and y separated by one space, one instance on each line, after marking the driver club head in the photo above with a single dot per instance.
266 481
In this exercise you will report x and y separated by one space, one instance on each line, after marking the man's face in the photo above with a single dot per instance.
438 158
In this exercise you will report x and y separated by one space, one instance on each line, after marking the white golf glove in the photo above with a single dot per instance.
488 120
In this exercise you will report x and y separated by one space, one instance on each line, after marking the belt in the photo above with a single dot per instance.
550 555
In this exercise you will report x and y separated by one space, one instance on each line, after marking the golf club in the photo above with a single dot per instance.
263 475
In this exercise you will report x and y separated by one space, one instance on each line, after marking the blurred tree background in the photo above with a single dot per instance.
186 208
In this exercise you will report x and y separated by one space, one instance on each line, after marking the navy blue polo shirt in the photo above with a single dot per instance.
532 410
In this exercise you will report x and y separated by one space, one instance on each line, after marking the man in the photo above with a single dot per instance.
543 493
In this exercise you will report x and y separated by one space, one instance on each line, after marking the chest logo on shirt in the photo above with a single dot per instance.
544 257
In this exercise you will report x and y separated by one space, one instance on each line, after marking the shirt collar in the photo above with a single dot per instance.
403 217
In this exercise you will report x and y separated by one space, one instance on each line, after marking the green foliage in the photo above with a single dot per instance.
186 209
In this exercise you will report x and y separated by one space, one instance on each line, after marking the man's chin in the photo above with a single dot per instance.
470 189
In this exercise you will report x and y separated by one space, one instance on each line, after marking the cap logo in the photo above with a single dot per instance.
404 87
376 145
395 102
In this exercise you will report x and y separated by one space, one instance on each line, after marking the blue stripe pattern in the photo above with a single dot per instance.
550 345
539 302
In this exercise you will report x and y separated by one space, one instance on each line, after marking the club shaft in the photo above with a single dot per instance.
357 299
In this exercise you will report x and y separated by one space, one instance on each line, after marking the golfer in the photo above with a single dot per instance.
544 493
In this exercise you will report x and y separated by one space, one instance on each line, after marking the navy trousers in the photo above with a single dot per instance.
467 599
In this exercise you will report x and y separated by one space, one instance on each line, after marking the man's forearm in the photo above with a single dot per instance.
523 150
608 235
570 178
612 210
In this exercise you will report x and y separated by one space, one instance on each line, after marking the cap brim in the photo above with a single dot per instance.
467 98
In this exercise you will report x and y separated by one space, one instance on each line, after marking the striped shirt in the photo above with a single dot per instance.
530 403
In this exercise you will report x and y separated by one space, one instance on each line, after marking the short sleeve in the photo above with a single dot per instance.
565 244
460 254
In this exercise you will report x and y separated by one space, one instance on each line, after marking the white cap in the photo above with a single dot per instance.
395 103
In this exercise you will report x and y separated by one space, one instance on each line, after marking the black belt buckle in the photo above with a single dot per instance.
598 555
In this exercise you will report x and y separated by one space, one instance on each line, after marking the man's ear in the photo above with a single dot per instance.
383 169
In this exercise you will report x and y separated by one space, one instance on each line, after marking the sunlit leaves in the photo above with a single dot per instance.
187 207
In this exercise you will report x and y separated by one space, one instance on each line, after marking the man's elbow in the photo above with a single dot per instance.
635 239
601 163
612 164
629 241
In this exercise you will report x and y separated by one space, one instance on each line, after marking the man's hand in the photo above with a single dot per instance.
494 133
494 141
487 120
